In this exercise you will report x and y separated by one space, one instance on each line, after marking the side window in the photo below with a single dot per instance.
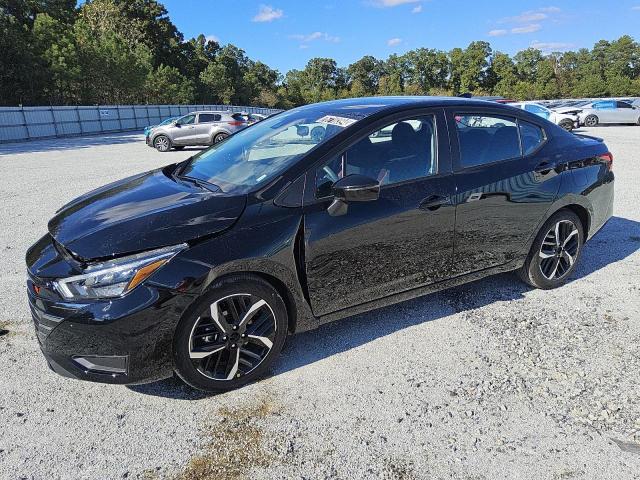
399 152
485 139
623 105
605 105
532 136
208 118
187 120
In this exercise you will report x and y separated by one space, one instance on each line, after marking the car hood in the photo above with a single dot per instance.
142 212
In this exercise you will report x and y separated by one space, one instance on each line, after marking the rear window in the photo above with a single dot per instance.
486 139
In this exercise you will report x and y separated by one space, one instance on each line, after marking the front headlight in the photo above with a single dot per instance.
117 277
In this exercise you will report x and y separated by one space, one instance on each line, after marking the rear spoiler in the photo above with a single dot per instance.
597 139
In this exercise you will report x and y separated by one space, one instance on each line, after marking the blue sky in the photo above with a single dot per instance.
285 34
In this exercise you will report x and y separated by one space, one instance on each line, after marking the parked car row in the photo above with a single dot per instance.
197 128
573 113
593 112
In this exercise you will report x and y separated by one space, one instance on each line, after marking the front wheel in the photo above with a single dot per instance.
591 121
555 251
162 143
232 335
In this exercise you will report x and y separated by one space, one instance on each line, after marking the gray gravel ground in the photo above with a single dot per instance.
486 381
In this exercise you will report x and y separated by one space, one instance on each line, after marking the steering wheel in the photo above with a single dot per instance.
330 173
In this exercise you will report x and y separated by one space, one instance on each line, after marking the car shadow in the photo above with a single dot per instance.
619 239
70 143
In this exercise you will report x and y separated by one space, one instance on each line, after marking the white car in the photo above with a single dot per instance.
605 111
564 120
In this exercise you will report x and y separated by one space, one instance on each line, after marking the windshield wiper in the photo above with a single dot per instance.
212 187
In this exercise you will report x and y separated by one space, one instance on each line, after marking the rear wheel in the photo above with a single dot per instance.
220 137
591 121
162 143
232 335
555 251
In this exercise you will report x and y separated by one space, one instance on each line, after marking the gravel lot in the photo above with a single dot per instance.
489 380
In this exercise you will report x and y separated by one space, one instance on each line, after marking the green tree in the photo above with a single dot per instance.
166 85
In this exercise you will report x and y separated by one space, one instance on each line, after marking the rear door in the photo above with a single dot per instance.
204 127
627 113
399 242
505 183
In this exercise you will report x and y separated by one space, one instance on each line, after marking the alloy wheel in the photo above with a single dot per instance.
591 121
232 337
559 250
162 144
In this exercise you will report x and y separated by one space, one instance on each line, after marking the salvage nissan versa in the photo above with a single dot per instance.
205 266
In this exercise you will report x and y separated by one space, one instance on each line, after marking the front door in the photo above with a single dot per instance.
399 242
183 132
505 184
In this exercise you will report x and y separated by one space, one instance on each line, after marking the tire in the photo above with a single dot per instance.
219 137
566 125
162 143
550 263
591 121
204 347
178 147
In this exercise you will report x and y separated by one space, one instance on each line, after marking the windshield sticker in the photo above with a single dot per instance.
338 121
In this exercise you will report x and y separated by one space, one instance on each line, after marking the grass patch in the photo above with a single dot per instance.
236 445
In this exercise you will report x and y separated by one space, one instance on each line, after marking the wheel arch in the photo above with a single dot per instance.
582 213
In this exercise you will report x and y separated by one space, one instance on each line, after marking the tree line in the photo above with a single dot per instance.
129 52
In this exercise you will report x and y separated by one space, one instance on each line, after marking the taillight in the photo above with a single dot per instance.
608 158
236 123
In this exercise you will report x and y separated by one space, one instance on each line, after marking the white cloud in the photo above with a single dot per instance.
532 15
268 14
393 3
315 36
417 9
394 42
534 27
212 38
551 46
527 22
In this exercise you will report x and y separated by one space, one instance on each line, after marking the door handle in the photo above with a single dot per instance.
544 167
434 202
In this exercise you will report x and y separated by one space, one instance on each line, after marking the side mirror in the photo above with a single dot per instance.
352 188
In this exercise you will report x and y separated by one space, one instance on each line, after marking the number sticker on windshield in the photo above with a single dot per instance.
338 121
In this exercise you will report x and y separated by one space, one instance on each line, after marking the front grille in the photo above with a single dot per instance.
44 322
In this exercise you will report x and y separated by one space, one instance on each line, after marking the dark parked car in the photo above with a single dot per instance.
205 266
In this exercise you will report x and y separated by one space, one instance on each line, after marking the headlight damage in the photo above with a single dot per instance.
115 278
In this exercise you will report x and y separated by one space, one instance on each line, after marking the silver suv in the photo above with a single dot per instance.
196 128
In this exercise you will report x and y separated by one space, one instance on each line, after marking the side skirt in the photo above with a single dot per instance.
419 292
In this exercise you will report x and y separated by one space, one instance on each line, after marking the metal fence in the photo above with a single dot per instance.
31 123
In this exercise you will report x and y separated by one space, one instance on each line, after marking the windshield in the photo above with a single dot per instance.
256 155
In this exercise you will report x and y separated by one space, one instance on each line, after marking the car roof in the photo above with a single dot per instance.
219 112
371 105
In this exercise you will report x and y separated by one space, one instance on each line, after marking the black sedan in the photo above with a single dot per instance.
205 267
